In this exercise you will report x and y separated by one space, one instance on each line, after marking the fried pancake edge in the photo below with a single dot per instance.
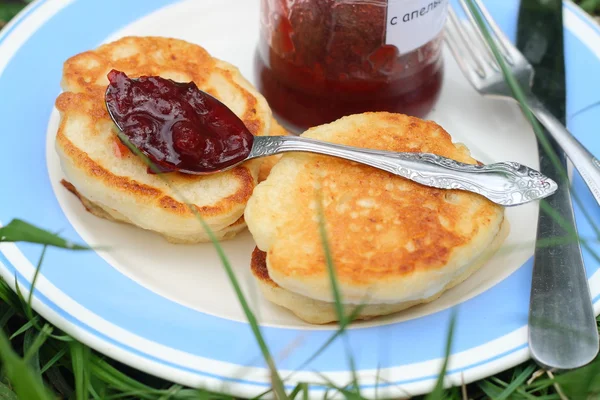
321 312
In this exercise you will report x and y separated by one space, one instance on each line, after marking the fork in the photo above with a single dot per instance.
478 64
562 328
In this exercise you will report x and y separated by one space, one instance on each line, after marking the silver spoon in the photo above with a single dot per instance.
504 183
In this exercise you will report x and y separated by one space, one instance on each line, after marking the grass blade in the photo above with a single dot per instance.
438 390
116 379
8 296
342 390
294 393
134 394
377 379
31 347
8 11
516 89
337 296
25 383
29 310
6 393
278 386
55 358
352 364
335 289
171 392
24 328
8 314
516 382
95 394
519 95
581 383
20 296
59 382
97 387
21 231
490 389
332 338
81 369
33 319
277 383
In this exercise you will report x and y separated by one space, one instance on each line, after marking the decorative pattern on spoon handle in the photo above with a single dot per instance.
505 183
521 183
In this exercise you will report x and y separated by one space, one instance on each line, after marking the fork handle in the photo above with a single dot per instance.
585 162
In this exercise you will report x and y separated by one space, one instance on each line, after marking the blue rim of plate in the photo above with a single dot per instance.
32 77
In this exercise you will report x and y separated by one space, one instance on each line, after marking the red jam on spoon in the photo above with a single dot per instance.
176 125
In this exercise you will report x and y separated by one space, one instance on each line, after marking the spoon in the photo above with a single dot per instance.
504 183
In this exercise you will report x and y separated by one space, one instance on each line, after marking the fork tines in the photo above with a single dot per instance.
468 43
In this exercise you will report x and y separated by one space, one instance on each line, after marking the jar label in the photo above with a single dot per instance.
413 23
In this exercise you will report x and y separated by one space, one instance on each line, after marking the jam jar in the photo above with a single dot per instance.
319 60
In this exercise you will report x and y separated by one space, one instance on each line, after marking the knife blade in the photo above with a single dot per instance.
562 328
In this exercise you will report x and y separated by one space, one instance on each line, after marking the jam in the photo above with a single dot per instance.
319 60
176 125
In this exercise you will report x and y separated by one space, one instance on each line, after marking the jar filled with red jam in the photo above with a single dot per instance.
319 60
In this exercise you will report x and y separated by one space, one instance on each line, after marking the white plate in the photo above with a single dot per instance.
170 310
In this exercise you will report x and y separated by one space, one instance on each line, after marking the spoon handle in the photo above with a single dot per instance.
505 183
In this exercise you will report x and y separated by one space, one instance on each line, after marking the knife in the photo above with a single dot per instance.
562 328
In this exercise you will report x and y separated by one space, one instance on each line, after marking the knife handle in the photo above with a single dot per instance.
562 328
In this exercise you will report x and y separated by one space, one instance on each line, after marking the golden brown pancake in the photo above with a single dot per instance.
116 181
392 241
322 312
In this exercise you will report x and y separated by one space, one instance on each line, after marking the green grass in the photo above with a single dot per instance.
591 6
9 9
41 362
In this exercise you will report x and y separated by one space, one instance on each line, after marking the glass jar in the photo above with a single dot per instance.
319 60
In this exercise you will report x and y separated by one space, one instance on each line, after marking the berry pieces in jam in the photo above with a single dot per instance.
320 60
176 125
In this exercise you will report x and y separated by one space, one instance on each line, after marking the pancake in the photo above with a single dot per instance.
392 240
113 215
110 178
323 312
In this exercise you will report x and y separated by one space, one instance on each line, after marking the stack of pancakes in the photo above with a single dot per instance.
394 243
113 183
